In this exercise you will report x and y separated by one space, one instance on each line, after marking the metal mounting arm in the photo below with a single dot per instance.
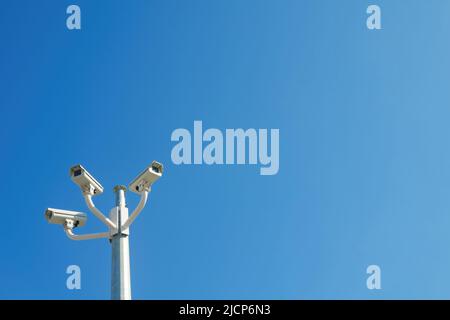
97 213
68 228
142 202
90 236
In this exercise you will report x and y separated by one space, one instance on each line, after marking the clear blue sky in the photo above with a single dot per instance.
364 133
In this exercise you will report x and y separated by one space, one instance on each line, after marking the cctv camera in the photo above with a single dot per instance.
58 216
147 178
85 181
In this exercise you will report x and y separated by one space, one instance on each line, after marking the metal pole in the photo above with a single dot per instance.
120 271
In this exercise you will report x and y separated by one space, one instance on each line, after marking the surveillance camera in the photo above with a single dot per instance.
85 181
58 216
147 178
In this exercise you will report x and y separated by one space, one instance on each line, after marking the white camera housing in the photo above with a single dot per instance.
143 181
59 216
85 181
